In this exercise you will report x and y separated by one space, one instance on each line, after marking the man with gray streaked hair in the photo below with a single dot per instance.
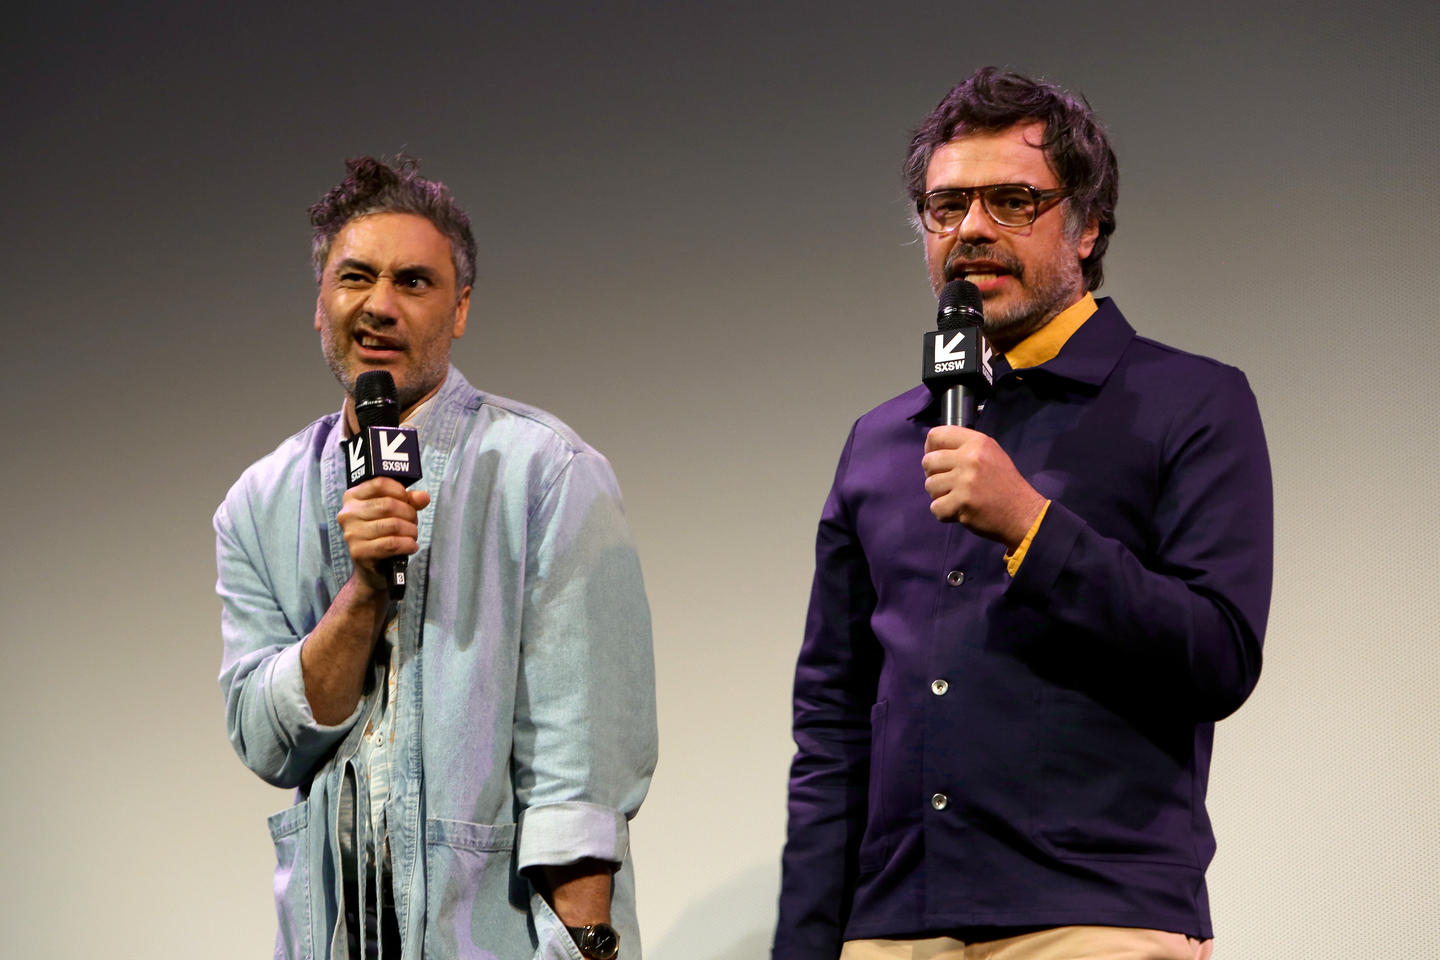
372 188
466 759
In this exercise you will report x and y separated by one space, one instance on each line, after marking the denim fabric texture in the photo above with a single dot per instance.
525 728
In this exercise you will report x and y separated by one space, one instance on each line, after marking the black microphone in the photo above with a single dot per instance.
957 358
383 448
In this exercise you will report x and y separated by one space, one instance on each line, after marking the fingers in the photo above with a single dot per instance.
379 520
941 461
955 461
378 508
379 487
945 499
358 528
939 484
965 458
381 497
972 481
372 542
950 438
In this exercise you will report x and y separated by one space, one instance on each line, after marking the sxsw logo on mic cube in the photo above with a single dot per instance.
955 353
383 452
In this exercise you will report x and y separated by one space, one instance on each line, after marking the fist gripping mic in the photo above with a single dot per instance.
957 358
382 448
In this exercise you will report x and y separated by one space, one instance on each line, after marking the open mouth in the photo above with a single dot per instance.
987 275
372 344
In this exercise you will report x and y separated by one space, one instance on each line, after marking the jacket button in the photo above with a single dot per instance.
939 687
955 577
939 801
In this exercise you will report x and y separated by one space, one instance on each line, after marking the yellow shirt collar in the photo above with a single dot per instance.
1045 343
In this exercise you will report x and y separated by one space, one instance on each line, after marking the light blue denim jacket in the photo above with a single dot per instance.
525 723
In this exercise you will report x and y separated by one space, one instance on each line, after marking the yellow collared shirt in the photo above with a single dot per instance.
1043 345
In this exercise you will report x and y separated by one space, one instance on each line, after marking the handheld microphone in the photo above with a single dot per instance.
382 448
957 358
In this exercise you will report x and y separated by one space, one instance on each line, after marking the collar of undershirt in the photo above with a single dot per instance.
1044 344
1084 347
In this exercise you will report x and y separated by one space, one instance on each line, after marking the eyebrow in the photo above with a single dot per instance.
409 270
350 263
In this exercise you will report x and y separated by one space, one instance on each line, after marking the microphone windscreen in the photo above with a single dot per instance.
375 402
960 305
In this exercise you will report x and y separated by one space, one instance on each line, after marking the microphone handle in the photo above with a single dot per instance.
394 569
959 406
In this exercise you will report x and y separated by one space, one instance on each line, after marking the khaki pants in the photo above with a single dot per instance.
1060 943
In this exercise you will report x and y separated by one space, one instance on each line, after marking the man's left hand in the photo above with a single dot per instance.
973 482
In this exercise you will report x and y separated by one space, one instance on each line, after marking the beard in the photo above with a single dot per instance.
1045 289
431 362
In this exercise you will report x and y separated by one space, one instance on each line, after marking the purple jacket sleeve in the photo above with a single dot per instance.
1193 616
834 692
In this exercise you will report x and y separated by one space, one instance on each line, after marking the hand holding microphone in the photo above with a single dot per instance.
379 516
970 480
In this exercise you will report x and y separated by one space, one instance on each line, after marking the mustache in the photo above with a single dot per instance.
963 253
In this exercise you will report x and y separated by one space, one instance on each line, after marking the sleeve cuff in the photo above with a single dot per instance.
1048 552
292 709
555 834
1013 560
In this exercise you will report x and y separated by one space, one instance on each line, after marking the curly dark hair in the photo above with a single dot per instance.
1075 143
373 186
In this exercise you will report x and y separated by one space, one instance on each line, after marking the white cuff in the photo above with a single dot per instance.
555 834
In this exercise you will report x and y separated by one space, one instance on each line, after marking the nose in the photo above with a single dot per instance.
382 300
977 227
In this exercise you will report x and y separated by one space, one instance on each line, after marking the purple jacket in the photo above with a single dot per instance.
976 751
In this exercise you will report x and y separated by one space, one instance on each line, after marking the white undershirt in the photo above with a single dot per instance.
375 747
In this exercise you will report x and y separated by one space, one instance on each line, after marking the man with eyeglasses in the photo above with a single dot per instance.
1020 636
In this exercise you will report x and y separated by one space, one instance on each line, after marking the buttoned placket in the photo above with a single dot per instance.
952 589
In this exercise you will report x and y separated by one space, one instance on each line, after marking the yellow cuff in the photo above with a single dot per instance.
1013 560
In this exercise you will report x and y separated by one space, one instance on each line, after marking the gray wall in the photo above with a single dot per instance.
693 249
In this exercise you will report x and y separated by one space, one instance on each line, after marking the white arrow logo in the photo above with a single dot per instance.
390 447
357 458
946 351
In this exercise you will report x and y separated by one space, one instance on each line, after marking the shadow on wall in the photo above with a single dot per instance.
733 922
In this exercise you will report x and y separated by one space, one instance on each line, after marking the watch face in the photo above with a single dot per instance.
601 942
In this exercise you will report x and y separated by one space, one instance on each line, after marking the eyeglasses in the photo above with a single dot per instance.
1008 204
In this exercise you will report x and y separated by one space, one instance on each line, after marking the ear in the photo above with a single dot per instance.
319 313
462 312
1088 236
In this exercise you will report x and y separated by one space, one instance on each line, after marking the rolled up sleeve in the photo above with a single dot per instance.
267 715
560 833
585 741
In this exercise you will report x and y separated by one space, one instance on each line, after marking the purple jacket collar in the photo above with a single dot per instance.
1087 357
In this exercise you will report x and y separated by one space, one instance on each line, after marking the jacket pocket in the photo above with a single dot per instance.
469 879
875 844
289 829
1113 788
552 940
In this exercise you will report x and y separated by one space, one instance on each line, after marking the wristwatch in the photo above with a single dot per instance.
598 941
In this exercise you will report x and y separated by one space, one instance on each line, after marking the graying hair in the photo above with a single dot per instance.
373 186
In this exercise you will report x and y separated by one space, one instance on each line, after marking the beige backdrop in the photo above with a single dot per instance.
694 249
